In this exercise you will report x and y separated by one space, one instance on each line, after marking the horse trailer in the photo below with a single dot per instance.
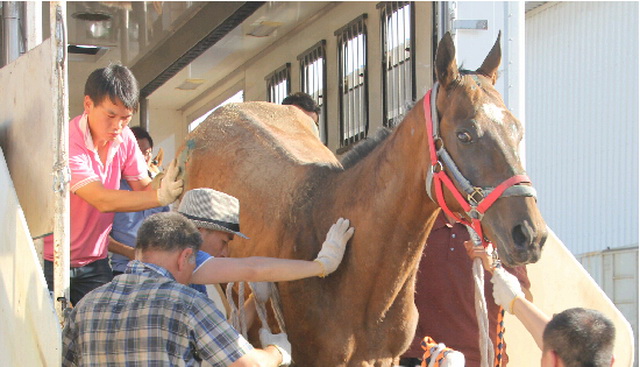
569 72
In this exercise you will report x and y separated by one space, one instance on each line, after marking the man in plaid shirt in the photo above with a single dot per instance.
150 317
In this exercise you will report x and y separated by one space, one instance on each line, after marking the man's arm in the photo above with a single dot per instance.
533 319
254 269
267 357
121 249
267 269
107 200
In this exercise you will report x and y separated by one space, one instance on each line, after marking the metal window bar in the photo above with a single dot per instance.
279 84
399 89
353 88
313 81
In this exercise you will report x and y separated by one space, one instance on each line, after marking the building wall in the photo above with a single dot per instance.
306 35
582 121
582 136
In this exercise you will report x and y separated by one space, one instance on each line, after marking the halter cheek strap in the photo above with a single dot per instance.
479 199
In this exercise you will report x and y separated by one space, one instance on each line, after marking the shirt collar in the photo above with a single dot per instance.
441 221
140 268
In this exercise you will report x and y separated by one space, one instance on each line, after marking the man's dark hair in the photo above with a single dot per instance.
141 133
116 82
168 231
580 337
302 100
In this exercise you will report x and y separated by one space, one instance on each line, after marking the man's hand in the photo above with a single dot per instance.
333 247
279 341
506 288
170 186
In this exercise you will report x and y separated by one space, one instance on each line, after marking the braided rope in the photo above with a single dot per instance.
486 346
500 338
482 312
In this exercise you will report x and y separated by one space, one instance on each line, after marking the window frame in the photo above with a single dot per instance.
305 59
402 97
281 74
347 33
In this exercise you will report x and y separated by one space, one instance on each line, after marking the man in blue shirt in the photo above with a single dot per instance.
122 239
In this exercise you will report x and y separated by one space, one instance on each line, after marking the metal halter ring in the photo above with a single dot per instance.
437 167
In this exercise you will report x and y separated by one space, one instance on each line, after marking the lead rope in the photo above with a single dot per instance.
237 315
482 314
274 296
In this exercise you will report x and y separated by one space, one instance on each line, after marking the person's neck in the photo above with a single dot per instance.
166 259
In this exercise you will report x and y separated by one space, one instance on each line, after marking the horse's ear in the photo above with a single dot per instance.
490 65
446 66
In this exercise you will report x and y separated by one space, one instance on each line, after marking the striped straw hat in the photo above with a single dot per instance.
211 209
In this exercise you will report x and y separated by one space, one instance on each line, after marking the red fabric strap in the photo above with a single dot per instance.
497 192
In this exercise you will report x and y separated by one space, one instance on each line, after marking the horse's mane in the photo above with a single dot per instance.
365 147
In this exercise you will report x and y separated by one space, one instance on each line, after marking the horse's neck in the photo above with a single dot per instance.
394 213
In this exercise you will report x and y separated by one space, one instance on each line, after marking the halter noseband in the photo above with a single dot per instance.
478 199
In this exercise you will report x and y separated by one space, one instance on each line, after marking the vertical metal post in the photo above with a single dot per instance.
32 24
10 31
124 36
144 113
61 231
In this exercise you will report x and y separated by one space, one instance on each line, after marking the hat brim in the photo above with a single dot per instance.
216 227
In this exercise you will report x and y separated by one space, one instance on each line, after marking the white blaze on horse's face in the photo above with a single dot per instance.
494 112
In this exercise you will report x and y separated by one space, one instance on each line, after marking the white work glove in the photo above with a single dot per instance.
333 247
170 186
506 288
279 341
261 291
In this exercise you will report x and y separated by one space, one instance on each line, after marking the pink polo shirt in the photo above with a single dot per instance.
89 227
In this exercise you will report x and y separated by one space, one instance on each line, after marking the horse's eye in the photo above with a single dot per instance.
464 137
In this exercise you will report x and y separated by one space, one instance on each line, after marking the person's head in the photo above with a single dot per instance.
169 240
578 337
217 216
304 102
144 142
110 99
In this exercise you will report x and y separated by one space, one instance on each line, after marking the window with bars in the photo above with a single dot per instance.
313 81
279 84
352 82
398 68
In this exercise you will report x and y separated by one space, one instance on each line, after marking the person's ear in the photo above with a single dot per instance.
88 103
613 359
549 359
186 258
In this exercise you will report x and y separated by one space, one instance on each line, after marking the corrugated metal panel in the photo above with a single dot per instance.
616 272
582 121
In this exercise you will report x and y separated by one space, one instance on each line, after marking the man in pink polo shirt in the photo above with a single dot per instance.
102 150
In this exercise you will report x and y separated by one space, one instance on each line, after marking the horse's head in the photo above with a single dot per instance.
482 137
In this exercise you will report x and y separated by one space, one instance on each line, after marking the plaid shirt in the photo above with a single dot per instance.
145 318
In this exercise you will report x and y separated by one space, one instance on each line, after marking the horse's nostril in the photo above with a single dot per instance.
522 235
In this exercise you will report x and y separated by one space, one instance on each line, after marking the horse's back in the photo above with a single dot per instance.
261 153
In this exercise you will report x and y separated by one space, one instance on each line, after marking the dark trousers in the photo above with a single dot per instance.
83 279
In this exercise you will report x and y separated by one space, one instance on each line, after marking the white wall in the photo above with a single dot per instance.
29 330
582 121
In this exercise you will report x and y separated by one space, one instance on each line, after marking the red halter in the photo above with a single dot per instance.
473 207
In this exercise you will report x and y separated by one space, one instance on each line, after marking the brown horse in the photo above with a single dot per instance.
291 189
